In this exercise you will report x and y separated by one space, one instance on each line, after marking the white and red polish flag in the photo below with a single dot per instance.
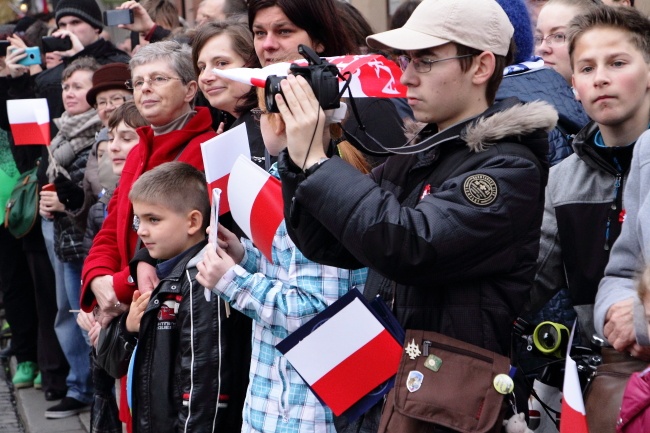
219 155
574 418
373 75
255 203
343 353
29 120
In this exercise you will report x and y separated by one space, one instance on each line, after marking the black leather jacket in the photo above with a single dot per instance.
184 371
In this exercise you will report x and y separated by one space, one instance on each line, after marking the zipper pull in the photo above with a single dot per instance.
425 347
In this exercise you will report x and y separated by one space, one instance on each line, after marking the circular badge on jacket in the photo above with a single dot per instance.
480 189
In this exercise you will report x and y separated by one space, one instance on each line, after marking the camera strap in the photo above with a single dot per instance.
449 134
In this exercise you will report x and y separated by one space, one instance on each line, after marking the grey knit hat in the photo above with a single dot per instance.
85 10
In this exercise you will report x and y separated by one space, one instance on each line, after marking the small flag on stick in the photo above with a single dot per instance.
574 416
255 203
29 120
219 155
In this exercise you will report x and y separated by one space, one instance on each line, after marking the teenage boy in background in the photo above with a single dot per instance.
618 315
609 50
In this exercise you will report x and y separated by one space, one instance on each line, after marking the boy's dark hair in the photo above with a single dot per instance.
500 64
128 113
628 20
81 64
175 185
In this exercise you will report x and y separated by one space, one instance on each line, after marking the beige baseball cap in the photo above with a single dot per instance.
479 24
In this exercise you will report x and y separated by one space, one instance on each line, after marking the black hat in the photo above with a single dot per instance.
85 10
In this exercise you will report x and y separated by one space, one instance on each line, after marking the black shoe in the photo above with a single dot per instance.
6 353
54 395
69 406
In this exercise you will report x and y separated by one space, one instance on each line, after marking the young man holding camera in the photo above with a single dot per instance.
450 233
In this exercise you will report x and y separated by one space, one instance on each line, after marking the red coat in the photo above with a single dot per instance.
115 243
635 408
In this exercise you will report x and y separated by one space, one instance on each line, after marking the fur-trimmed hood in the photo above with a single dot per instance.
520 119
495 124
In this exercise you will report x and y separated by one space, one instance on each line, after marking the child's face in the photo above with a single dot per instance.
611 78
101 149
164 232
553 19
122 139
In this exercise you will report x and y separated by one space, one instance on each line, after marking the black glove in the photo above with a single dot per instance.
69 194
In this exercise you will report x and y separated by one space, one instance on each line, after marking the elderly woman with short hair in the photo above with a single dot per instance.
164 87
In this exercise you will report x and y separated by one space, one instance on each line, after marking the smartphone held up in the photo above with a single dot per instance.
118 16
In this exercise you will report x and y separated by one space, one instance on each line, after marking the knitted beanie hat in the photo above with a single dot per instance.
520 20
85 10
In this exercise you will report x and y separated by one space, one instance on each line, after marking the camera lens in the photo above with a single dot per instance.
272 88
549 337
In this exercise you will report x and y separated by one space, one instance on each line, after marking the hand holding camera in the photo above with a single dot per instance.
77 46
140 20
301 99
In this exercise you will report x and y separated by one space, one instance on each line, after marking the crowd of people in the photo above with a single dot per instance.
521 195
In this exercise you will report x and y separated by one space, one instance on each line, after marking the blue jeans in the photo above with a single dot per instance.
71 337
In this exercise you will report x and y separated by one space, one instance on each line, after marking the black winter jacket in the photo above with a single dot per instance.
450 235
183 373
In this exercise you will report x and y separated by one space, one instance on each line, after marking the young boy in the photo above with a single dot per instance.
180 377
450 233
610 56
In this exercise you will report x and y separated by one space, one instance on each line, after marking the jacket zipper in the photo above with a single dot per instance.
428 343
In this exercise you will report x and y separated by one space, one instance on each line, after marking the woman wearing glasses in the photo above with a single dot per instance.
551 43
164 87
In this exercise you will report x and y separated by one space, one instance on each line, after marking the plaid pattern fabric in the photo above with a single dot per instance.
280 297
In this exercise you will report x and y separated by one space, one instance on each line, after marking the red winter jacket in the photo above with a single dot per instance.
635 408
115 243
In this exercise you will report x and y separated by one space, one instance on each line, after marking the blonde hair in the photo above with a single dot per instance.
346 151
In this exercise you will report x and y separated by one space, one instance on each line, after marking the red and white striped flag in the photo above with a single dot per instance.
255 203
219 155
373 75
336 353
574 418
29 120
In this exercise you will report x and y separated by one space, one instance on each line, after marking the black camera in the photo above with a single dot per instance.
321 75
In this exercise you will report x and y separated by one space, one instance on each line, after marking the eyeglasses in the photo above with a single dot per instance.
114 101
257 113
552 39
424 65
157 81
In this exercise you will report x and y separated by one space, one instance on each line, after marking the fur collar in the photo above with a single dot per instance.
521 119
